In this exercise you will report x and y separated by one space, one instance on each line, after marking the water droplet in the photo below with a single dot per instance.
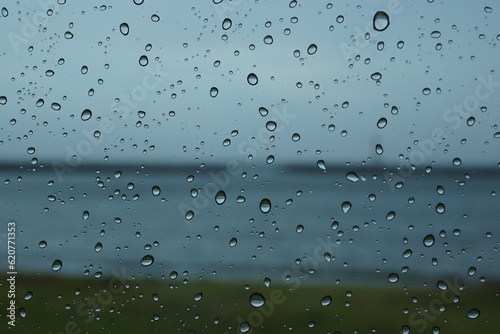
295 137
393 278
198 296
382 123
5 12
299 228
271 125
346 206
312 49
252 79
263 111
124 29
407 253
173 275
268 40
471 271
457 162
42 244
3 100
155 18
376 76
326 301
440 208
189 215
30 150
435 34
68 35
220 197
390 215
156 190
470 121
214 92
244 327
233 242
147 260
143 60
57 265
98 247
226 24
265 205
257 300
379 149
138 2
429 240
86 115
321 164
426 91
28 295
353 177
380 21
473 313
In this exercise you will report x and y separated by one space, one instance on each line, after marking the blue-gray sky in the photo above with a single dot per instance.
189 39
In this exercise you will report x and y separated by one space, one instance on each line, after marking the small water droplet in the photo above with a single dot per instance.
382 123
346 206
244 327
380 21
156 190
257 300
198 296
226 24
86 115
124 29
429 240
147 260
57 265
473 313
435 34
295 137
312 49
214 91
325 301
252 79
189 215
28 295
271 125
263 111
220 197
353 177
233 242
265 205
42 244
407 253
321 165
393 278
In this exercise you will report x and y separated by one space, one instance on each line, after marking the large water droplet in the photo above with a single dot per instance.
353 177
147 260
473 313
257 300
346 206
233 242
143 60
226 24
28 295
5 12
380 21
124 29
252 79
198 296
429 240
440 208
156 190
393 278
312 49
265 205
407 253
271 125
321 164
220 197
189 215
3 100
326 301
98 247
382 123
57 265
86 115
244 327
214 91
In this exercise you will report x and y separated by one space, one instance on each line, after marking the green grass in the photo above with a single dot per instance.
57 302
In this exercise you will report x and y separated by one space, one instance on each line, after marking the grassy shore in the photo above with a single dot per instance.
172 306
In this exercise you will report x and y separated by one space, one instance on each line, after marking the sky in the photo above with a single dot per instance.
438 65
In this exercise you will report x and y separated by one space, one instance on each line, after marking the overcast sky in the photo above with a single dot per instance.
189 39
